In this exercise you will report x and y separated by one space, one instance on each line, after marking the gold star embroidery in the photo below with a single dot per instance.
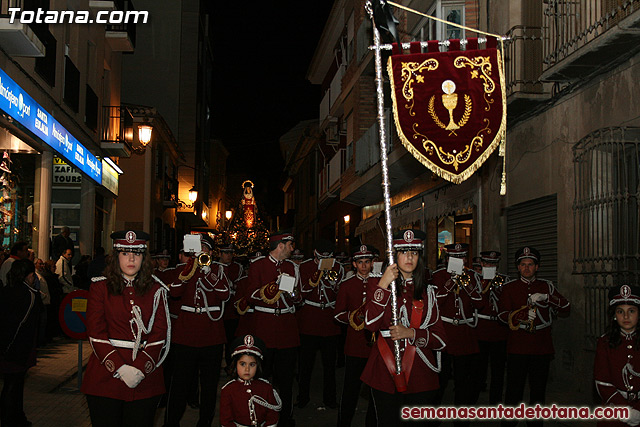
420 79
474 74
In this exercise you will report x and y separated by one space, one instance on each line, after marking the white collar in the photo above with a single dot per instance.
528 281
628 335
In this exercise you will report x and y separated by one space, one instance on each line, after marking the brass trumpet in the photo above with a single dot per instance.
495 283
203 259
461 280
331 275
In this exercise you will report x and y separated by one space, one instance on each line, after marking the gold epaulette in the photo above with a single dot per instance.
318 276
270 293
238 309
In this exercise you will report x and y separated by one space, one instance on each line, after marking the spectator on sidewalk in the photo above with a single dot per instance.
61 242
64 271
97 264
56 294
20 250
81 273
46 300
20 308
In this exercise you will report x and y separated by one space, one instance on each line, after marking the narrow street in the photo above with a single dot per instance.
51 397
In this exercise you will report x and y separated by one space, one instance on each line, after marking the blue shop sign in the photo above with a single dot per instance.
19 105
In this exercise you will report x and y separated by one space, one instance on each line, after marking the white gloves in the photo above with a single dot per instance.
532 314
205 269
538 297
130 375
634 417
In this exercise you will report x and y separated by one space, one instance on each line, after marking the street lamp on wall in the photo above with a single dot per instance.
144 133
193 194
228 215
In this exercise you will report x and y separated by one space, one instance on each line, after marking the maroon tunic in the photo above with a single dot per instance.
170 276
490 327
244 310
351 297
201 306
319 297
514 296
110 332
234 403
274 319
233 271
615 382
430 338
457 310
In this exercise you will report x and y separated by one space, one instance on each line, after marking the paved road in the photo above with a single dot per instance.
52 398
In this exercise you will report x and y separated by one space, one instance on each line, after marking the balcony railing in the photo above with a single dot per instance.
523 60
122 37
113 122
329 176
572 24
332 94
367 151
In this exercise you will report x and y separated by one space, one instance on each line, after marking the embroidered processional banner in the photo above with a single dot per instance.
449 108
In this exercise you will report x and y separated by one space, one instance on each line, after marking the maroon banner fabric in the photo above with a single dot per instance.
449 108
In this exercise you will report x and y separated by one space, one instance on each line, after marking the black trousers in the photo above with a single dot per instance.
388 406
12 400
350 392
279 365
519 368
230 326
494 353
309 346
108 412
465 372
186 361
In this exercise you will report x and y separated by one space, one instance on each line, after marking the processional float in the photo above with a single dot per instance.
449 109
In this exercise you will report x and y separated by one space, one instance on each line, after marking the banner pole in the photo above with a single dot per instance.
384 163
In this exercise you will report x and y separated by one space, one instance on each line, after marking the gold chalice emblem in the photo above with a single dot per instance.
450 102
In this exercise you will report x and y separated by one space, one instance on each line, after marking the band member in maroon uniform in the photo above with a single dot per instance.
198 334
458 299
297 256
163 258
318 329
233 271
492 333
248 399
127 325
527 305
419 332
242 302
350 306
617 354
273 290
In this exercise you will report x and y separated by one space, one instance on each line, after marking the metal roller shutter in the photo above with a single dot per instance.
534 223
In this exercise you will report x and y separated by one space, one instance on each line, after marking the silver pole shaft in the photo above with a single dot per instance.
384 163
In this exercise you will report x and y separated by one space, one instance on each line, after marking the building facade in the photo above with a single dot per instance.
60 76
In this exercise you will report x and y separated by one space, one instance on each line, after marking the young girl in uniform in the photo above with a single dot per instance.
419 332
248 400
618 355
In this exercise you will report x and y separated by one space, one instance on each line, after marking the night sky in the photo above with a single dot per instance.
262 53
